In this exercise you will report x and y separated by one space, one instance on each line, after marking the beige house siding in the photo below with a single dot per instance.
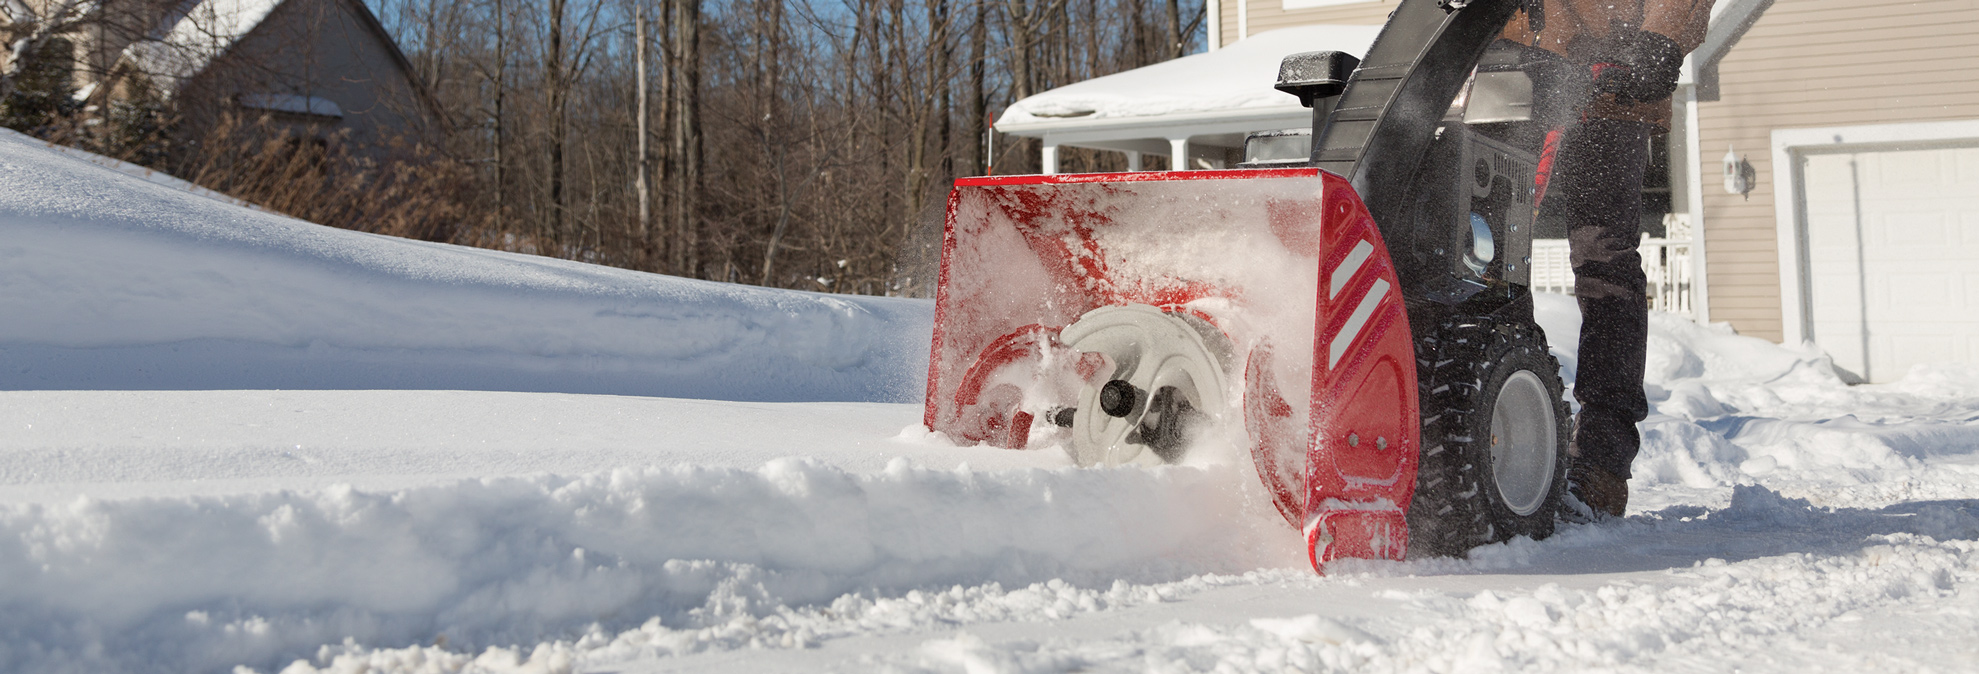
1817 63
1271 14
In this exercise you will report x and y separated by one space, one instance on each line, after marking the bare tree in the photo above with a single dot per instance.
645 167
796 143
684 64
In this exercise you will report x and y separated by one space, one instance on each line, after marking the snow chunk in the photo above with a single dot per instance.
1313 629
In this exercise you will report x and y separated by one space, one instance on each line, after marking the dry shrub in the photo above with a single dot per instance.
397 186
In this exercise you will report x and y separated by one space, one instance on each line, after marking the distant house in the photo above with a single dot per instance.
315 66
1820 181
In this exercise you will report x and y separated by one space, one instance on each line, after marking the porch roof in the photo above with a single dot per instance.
1212 98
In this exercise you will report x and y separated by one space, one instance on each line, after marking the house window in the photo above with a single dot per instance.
309 108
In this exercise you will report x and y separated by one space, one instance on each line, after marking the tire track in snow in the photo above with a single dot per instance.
1804 570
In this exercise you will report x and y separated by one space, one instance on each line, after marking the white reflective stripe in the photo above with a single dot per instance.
1355 323
1345 272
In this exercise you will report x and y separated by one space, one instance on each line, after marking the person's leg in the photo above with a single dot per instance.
1599 188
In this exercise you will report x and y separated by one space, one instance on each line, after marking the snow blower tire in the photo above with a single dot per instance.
1494 437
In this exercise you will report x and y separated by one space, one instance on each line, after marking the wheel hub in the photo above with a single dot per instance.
1523 443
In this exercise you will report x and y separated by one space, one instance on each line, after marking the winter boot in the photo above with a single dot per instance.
1602 493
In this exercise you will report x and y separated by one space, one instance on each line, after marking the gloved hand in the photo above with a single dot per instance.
1639 66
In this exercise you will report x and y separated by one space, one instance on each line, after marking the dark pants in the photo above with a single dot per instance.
1597 189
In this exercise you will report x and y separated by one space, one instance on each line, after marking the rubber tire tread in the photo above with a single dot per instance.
1455 507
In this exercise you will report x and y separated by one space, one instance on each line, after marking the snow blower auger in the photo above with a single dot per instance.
1360 319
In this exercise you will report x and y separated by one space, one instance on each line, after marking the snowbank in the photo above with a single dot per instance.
202 584
58 446
116 282
127 168
1729 410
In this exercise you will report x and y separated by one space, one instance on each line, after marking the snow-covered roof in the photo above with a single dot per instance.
1236 79
197 32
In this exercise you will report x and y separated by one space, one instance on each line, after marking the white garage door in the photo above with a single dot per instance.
1893 258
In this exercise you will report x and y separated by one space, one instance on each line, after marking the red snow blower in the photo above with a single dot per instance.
1359 320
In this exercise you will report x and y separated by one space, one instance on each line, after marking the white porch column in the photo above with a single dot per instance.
1700 284
1214 8
1178 154
1133 161
1050 159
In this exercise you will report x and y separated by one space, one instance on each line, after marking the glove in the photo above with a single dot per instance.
1642 66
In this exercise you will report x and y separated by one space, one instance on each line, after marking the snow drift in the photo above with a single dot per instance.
110 281
1726 410
204 584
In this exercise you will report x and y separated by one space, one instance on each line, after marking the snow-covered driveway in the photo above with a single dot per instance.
163 508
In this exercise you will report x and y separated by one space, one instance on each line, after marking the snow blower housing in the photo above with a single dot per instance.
1358 322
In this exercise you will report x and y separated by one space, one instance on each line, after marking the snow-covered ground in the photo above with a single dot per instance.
488 462
118 282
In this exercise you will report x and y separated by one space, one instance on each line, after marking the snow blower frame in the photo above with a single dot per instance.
1365 315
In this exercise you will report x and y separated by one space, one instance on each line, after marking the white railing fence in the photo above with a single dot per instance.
1666 261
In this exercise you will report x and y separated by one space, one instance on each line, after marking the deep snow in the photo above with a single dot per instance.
118 282
1781 521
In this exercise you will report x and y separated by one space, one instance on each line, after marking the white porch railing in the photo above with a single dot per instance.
1665 261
